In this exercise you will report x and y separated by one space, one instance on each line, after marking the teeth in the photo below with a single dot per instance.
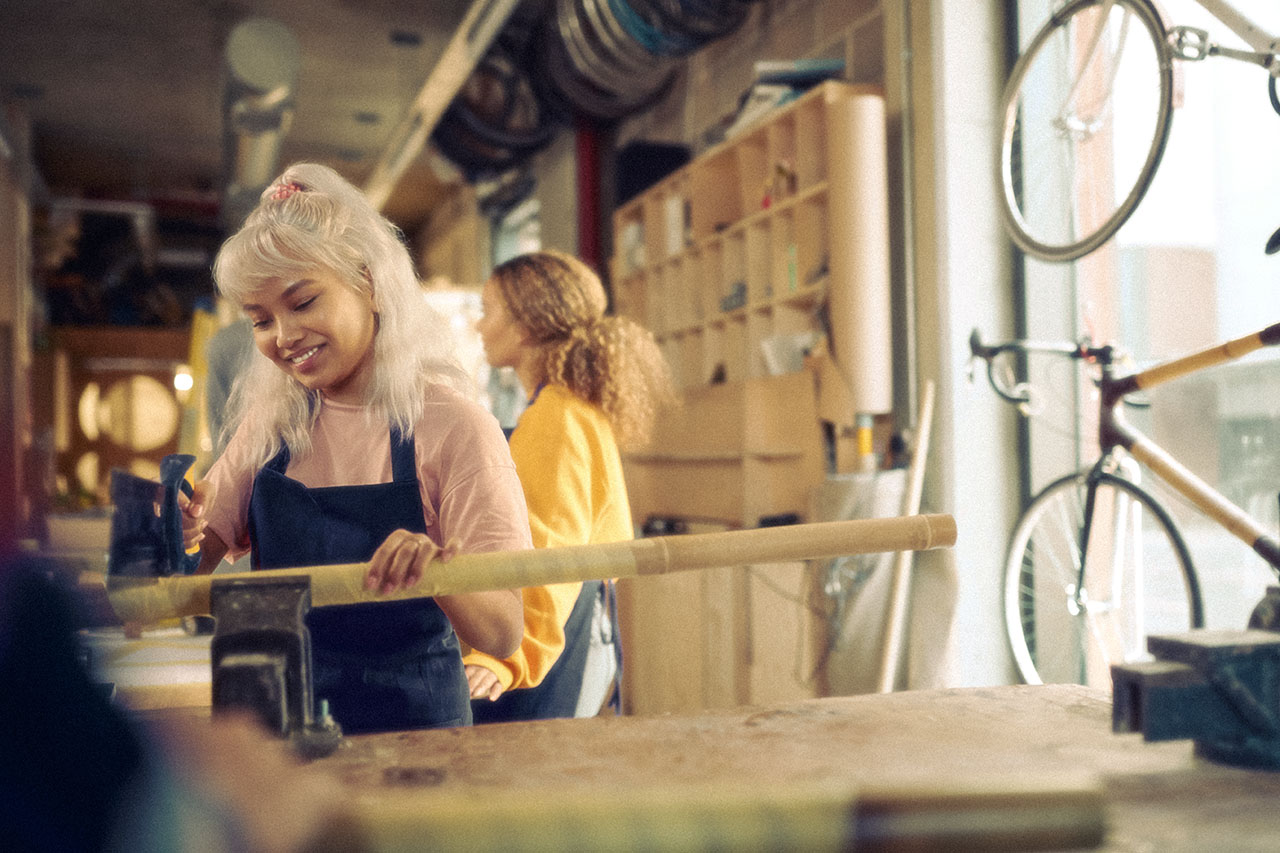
298 359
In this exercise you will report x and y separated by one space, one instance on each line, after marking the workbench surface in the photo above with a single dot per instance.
1156 796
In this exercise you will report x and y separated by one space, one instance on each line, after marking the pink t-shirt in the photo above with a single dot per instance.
470 491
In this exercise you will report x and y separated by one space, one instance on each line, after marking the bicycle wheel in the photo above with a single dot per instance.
1086 115
1139 581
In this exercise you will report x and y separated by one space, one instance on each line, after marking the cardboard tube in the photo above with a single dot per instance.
858 218
150 600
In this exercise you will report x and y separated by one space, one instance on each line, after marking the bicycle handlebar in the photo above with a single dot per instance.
1020 393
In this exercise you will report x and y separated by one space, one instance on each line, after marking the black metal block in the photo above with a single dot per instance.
1219 688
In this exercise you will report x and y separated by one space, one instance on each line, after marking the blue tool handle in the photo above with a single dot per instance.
173 471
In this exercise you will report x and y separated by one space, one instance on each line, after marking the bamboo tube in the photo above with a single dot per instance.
1219 354
150 600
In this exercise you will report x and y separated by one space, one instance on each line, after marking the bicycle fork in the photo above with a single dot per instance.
1121 541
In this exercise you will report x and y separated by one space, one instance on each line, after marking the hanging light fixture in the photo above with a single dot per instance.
262 59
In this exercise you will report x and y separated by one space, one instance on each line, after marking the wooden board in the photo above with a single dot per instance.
997 757
163 668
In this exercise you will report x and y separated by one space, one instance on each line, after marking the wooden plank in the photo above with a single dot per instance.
785 635
661 622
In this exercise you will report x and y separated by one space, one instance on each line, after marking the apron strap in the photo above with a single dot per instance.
280 462
403 463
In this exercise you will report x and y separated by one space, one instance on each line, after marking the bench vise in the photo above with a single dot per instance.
261 658
1219 688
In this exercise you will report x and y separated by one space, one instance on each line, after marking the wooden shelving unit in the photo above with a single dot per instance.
739 262
729 259
733 262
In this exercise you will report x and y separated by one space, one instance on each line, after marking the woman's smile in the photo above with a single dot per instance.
301 359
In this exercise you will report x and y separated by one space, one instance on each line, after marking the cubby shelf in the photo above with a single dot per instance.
729 260
739 263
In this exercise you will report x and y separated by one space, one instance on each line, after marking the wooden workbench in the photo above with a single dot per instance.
1151 797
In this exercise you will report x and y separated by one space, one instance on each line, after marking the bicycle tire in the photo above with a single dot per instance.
1051 158
1052 640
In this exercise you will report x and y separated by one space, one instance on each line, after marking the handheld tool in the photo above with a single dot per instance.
146 527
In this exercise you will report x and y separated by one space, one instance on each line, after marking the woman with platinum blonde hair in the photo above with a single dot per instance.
350 440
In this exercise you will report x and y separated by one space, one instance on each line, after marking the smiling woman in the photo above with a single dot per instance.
352 443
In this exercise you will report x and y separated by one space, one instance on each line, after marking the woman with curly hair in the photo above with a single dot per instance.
595 383
350 440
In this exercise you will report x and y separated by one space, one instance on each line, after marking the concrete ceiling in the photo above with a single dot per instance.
126 97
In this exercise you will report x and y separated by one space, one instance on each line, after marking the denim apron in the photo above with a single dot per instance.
381 665
557 694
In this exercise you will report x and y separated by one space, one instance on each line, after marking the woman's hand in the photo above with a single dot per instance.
193 510
401 559
484 683
490 621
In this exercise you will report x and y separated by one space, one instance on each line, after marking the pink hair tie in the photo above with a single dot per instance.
285 190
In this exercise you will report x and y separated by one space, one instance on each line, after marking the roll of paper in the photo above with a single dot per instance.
858 226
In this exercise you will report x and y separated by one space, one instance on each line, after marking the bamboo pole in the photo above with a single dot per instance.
1218 354
900 595
150 600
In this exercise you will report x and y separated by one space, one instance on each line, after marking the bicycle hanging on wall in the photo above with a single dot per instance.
1096 563
1086 115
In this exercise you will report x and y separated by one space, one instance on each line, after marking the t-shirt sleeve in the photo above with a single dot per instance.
481 505
232 478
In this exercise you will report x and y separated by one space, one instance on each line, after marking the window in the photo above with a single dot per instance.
1186 271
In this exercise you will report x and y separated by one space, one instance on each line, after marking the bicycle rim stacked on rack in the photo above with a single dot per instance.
609 58
562 59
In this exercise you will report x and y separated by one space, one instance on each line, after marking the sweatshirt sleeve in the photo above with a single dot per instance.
553 457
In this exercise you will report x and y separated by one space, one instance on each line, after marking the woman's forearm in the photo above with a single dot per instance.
489 622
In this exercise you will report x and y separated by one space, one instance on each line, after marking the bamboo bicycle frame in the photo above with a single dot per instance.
1115 431
1235 20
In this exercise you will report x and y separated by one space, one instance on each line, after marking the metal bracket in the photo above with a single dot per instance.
1192 45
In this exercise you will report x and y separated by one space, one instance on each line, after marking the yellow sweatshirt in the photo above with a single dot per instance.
571 472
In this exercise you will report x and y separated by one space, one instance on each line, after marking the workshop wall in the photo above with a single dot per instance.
15 325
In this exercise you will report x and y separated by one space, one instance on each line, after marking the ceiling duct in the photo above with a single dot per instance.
262 61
